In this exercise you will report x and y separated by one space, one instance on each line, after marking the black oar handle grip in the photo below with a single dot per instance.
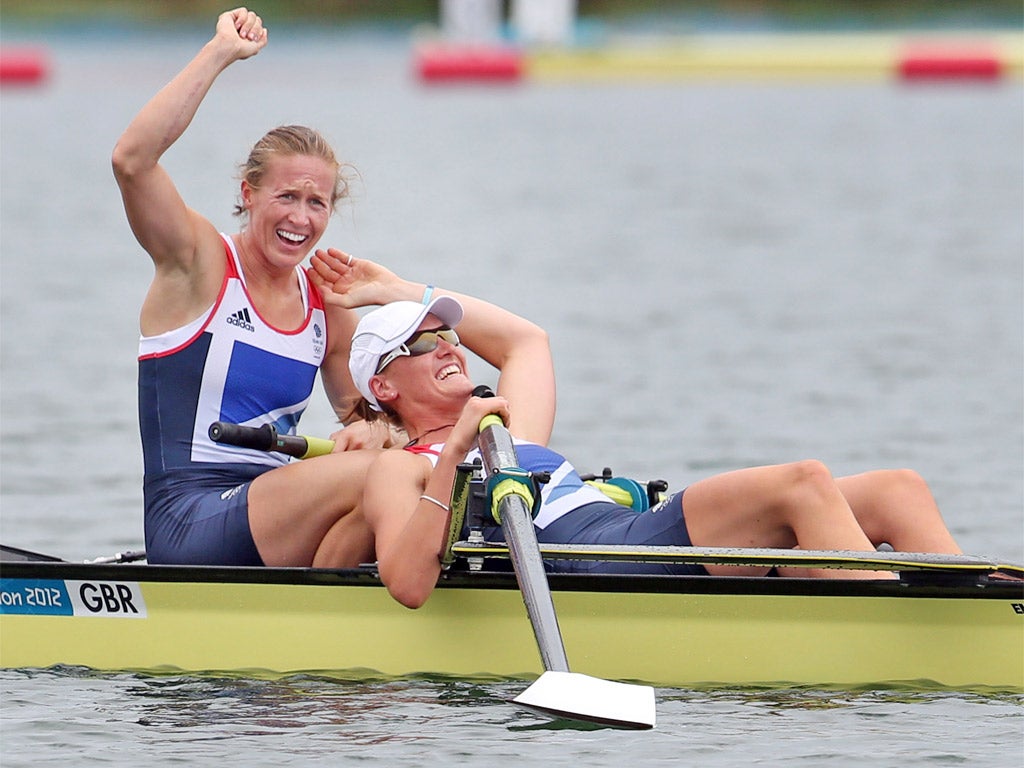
266 438
257 438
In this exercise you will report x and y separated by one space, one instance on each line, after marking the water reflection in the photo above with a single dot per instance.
370 712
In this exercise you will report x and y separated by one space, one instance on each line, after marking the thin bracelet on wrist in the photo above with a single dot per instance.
427 293
432 500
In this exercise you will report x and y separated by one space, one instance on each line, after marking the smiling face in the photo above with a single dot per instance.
435 381
290 209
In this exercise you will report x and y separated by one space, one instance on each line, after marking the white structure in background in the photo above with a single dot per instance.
533 22
543 22
471 21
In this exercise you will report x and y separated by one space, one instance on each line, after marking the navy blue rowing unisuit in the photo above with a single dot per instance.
573 512
227 365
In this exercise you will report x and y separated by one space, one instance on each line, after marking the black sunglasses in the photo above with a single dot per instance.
419 343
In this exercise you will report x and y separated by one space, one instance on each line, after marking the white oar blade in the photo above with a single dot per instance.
590 699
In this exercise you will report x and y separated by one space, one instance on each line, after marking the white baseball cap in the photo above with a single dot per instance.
387 328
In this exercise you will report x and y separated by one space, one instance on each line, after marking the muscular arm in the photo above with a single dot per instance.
185 247
518 348
337 380
521 352
409 530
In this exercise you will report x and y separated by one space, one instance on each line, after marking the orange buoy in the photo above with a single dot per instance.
949 64
23 66
469 63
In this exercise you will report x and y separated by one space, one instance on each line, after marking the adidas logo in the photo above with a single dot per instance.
241 319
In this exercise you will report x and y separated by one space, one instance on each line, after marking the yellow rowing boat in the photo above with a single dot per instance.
943 625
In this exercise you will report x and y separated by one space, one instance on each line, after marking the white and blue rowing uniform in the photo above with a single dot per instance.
228 365
574 512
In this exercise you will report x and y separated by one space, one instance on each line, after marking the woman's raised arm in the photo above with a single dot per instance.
169 231
518 348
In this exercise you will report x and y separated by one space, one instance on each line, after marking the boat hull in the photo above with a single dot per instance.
665 631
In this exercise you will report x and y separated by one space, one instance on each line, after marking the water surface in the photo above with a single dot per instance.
732 274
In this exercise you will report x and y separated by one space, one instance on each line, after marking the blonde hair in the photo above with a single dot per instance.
356 408
290 140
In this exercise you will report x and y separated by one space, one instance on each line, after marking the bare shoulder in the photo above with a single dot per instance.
397 466
186 286
394 479
396 474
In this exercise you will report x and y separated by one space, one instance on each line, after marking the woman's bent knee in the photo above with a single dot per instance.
811 477
908 480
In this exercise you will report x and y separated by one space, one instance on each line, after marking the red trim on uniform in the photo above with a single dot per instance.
304 282
229 273
316 300
422 449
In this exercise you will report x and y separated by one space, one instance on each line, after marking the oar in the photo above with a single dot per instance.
558 691
267 438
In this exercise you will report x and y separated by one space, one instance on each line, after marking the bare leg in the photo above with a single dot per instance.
293 508
782 506
896 507
349 540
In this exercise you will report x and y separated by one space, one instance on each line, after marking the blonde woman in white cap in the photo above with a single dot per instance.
407 359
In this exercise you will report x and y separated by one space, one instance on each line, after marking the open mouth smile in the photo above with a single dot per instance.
292 237
448 370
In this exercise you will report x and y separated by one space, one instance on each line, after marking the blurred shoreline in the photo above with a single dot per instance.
661 16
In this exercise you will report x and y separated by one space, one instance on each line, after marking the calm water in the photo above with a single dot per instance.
732 275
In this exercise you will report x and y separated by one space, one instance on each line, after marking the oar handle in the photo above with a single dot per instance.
267 438
491 420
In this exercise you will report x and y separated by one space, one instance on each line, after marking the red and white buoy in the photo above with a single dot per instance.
933 62
469 46
469 63
23 66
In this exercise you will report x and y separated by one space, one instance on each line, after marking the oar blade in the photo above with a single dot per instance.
573 696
